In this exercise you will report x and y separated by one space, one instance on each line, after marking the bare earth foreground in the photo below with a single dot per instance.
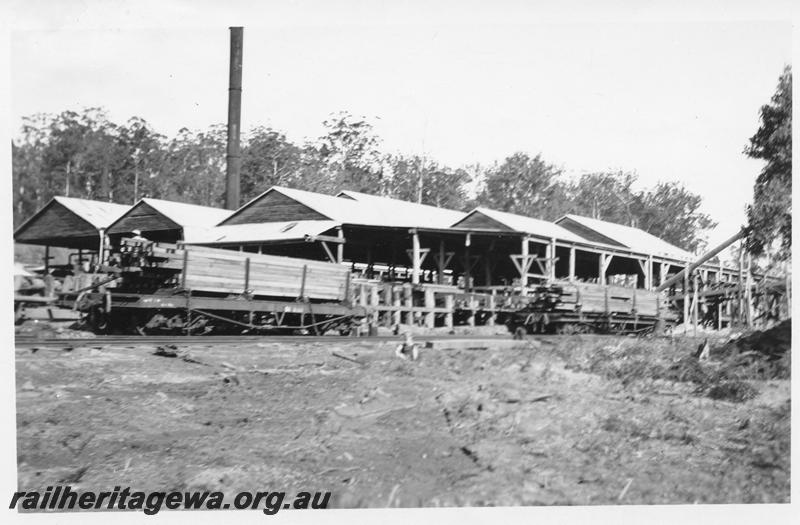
572 420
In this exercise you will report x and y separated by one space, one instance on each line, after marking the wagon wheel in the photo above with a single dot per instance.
98 319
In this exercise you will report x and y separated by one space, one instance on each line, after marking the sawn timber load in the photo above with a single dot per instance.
567 307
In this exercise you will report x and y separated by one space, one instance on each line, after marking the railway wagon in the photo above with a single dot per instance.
157 287
567 307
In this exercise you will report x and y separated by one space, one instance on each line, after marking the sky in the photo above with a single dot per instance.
671 95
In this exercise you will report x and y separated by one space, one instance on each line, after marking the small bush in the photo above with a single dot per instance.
736 391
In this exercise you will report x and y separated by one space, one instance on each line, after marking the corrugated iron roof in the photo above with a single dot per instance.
368 210
97 213
529 225
259 232
634 238
187 215
403 213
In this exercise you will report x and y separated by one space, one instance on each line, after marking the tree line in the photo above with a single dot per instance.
84 154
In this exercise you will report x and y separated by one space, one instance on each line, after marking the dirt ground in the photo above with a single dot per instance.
534 422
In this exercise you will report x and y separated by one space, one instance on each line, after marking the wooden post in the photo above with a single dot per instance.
440 263
415 257
374 302
471 318
430 304
396 303
246 275
601 278
101 249
572 264
648 278
408 296
525 256
685 302
340 245
387 300
490 321
740 286
605 261
467 270
449 303
748 293
185 268
551 260
303 283
46 258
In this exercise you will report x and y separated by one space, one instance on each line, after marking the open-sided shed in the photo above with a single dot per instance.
167 221
352 226
67 222
570 250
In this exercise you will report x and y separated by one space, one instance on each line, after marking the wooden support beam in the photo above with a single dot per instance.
605 261
442 260
572 264
542 264
246 276
397 294
328 251
326 238
551 260
102 248
469 262
663 271
416 260
748 293
489 264
449 304
340 245
423 254
430 302
701 260
374 301
408 300
685 302
524 261
472 306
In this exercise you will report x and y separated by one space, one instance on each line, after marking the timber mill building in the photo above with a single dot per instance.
385 241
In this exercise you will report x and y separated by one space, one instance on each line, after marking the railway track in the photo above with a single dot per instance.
205 340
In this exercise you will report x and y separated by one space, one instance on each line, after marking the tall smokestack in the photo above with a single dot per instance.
234 156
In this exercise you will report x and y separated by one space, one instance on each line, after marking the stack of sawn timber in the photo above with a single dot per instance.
594 298
226 271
